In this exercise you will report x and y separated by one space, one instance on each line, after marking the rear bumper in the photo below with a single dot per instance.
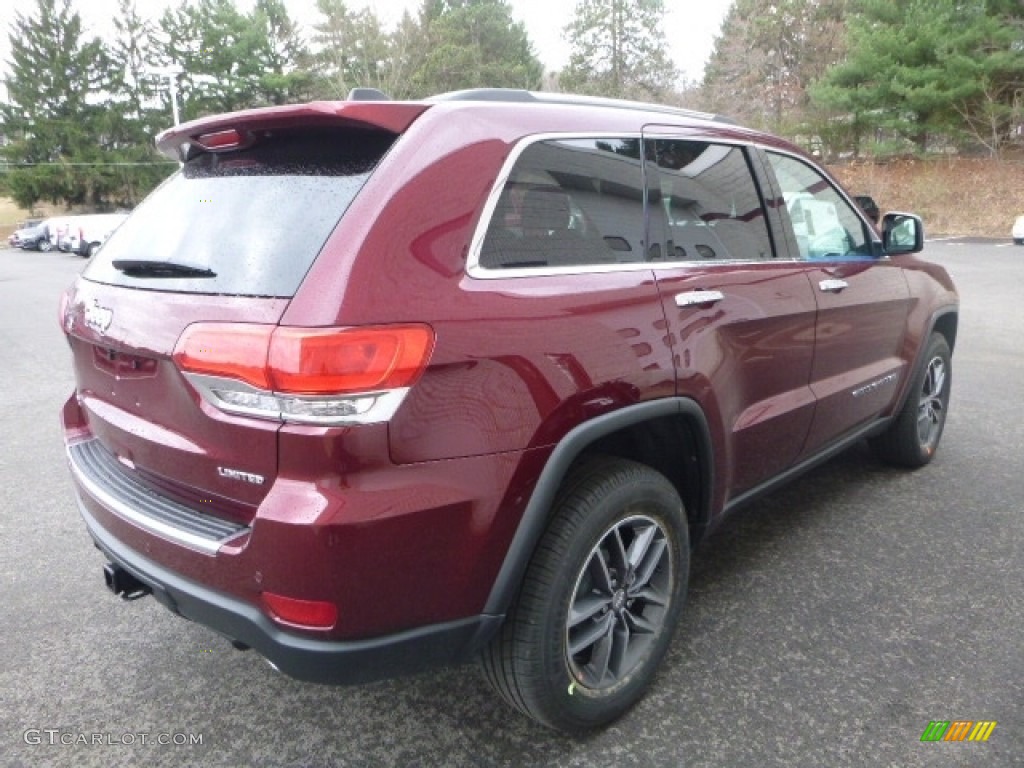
321 661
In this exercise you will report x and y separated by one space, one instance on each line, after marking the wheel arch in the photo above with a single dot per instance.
670 435
945 321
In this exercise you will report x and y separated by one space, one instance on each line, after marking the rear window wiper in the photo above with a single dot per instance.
144 268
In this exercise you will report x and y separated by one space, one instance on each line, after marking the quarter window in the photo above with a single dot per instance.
569 203
824 224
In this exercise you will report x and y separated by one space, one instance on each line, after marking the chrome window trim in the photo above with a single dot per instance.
476 271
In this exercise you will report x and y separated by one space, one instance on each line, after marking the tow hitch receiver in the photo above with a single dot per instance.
121 582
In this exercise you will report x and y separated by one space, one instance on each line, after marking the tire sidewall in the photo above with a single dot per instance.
937 348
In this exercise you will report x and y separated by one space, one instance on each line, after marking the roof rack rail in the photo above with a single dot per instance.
523 96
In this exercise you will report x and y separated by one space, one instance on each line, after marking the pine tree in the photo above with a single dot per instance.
353 50
133 113
617 49
49 116
927 72
473 44
766 57
232 60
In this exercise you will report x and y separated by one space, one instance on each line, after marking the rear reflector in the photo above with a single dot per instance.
307 614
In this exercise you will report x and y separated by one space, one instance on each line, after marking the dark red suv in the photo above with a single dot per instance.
369 386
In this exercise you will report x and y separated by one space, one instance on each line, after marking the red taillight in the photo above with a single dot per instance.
307 361
309 614
232 350
332 361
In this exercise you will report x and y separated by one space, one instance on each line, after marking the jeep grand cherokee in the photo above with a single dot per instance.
408 383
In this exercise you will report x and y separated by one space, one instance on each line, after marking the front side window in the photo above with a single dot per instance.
712 206
569 202
824 224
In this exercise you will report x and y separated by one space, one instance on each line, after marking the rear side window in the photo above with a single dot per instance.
251 221
712 207
569 202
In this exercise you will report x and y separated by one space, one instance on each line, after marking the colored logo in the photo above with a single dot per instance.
958 730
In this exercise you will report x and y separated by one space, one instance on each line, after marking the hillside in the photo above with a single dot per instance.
954 195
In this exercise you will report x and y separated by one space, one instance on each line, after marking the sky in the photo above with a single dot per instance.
690 25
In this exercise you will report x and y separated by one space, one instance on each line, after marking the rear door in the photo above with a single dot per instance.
740 318
862 297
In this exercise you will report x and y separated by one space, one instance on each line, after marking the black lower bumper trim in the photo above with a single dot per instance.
309 659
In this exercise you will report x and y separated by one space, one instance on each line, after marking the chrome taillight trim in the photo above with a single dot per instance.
367 407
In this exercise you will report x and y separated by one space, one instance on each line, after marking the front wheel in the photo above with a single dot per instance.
600 600
912 439
45 245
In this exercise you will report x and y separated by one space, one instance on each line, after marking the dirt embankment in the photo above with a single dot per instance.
954 195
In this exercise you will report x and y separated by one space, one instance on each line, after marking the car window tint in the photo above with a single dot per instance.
257 217
711 203
825 225
569 203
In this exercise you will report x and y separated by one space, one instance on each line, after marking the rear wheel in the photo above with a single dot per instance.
600 600
91 250
912 439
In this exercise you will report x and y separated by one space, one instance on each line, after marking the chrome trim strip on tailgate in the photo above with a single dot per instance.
99 474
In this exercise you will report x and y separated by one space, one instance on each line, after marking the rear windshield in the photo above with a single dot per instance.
255 218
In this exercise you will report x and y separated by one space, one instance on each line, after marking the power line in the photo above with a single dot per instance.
11 166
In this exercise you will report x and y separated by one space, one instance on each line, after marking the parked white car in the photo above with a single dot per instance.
1018 231
85 234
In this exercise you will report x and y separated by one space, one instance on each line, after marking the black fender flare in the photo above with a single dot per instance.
537 513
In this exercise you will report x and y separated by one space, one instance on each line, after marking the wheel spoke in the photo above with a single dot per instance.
645 570
651 596
618 552
641 543
598 570
639 624
602 653
591 634
587 607
618 658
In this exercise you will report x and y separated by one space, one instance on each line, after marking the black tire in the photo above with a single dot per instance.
625 614
913 437
45 245
91 250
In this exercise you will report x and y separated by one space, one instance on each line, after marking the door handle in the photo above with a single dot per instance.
696 298
833 286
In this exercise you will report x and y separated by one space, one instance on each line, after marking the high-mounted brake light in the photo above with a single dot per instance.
229 139
308 375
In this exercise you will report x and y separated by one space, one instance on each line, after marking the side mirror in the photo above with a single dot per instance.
902 233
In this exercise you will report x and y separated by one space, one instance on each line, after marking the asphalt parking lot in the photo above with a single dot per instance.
827 624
